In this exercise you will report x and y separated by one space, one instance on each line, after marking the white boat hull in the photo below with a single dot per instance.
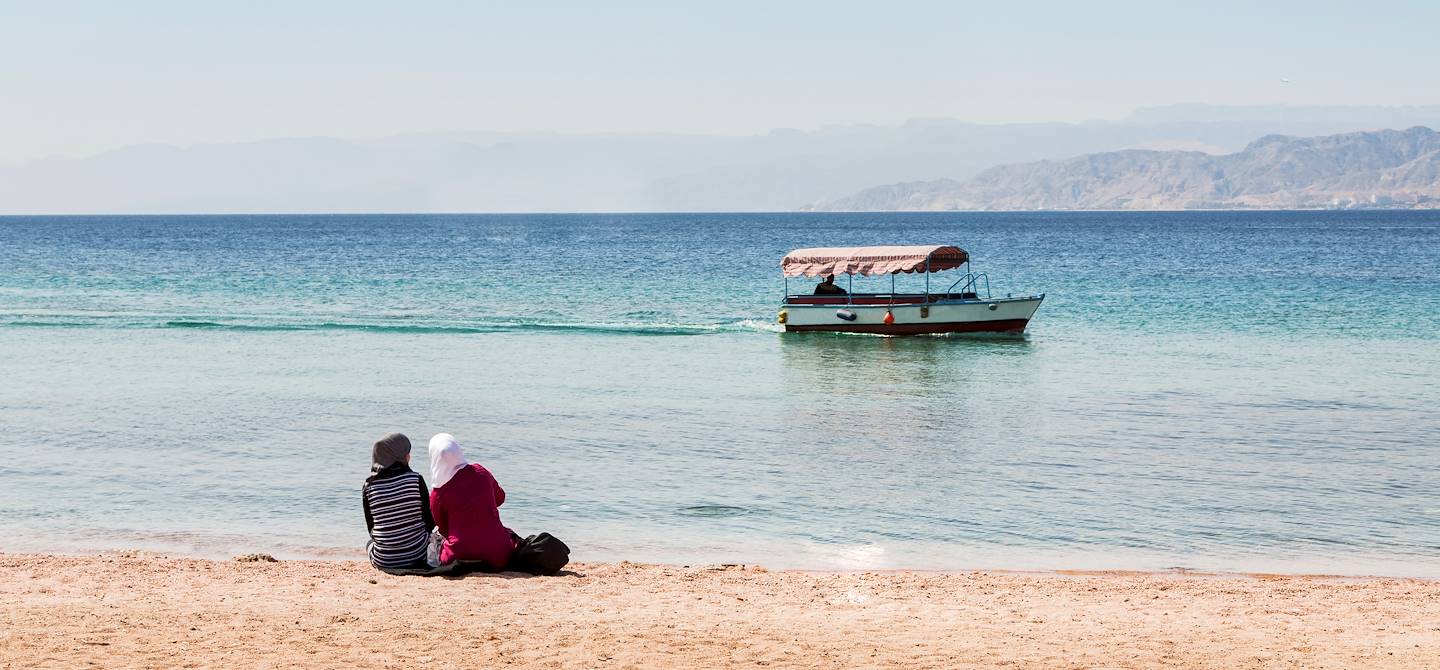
1000 315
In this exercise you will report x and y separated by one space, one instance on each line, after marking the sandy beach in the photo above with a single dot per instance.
141 610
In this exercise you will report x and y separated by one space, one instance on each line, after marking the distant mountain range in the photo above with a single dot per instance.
1384 168
467 171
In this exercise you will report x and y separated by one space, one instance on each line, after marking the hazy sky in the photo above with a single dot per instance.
83 77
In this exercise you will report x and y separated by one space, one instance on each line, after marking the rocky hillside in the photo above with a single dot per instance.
1385 168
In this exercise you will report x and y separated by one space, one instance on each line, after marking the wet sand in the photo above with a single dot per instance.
139 610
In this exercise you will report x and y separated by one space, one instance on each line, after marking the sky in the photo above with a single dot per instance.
79 78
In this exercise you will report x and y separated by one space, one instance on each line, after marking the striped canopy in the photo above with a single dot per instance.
871 260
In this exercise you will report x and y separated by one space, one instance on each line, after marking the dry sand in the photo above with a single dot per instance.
137 610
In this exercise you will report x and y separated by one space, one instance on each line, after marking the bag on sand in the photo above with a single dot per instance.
542 554
432 550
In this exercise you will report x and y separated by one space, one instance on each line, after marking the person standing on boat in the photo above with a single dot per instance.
828 287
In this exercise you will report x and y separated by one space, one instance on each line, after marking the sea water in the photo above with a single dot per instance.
1228 391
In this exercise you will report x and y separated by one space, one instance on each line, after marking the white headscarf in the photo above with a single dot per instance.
445 459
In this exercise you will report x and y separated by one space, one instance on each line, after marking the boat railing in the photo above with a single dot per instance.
971 282
969 287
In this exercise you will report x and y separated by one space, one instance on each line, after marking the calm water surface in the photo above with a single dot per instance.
1239 391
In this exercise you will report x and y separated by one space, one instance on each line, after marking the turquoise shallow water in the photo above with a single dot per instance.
1243 391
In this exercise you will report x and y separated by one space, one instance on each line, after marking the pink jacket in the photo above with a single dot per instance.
467 512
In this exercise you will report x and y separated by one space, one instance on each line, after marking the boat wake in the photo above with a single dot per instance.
414 326
384 325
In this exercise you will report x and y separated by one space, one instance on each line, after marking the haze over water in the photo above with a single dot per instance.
1237 391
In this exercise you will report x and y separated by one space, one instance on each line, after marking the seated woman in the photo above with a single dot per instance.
466 504
396 512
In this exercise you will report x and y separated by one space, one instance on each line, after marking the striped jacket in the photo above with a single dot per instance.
397 512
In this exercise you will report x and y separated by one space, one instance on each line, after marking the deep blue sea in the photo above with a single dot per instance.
1228 391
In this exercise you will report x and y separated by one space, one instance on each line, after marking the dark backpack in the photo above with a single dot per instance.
542 554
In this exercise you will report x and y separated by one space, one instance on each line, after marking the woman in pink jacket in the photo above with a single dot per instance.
465 500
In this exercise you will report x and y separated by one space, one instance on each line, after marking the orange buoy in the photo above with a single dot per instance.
889 318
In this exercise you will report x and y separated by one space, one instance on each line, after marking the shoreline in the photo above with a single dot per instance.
1092 569
128 609
346 556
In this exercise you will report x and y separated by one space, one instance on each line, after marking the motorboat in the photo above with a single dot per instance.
965 306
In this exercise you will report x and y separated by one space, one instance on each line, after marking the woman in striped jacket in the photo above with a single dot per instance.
397 509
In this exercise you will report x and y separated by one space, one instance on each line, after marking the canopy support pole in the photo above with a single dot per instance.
927 277
850 294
